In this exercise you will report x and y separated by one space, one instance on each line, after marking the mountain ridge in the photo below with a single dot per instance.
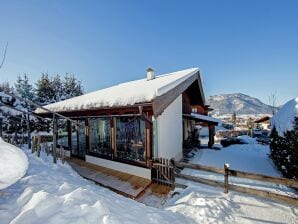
237 102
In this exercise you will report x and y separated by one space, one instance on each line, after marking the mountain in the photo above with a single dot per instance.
239 103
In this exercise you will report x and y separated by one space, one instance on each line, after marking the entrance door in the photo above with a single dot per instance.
78 140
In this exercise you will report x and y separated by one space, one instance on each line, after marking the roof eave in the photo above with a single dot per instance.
160 103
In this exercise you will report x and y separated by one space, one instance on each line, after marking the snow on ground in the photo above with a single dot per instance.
283 120
13 164
52 193
251 157
206 204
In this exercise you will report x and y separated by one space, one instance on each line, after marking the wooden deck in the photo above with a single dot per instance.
155 195
126 184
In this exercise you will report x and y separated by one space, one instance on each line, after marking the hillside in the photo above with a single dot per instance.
239 103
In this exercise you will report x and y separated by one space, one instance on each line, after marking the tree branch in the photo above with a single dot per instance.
4 55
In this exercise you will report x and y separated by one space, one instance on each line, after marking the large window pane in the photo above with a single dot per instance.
82 138
100 140
74 140
130 138
62 134
78 139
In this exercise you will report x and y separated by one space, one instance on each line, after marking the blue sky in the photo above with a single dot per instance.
240 46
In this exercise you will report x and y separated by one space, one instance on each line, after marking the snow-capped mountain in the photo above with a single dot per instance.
239 103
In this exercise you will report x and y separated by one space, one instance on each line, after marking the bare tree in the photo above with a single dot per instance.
4 55
273 102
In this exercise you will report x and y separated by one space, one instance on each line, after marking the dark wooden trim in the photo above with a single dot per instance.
199 167
190 117
87 134
69 135
160 103
199 80
113 137
106 111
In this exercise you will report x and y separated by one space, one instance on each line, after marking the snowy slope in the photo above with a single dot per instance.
56 194
13 164
283 120
239 103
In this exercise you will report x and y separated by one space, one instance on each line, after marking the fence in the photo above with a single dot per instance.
166 172
28 114
40 143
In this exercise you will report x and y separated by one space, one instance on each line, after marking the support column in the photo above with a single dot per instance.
113 136
69 131
54 139
211 135
1 126
148 147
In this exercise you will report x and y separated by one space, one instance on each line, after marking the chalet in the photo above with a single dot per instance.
124 126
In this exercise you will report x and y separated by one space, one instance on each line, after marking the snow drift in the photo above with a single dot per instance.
13 164
54 193
283 120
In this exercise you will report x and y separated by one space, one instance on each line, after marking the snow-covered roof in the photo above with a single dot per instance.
125 94
206 118
283 120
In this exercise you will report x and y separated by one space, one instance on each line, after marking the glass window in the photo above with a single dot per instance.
100 139
78 139
130 138
62 134
82 138
74 140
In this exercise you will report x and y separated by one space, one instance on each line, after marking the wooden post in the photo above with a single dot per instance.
211 135
1 126
28 131
62 155
38 145
226 180
113 137
54 139
172 163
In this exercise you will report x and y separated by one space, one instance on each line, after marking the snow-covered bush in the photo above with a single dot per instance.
284 135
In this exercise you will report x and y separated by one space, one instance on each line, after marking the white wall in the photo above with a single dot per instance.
169 131
122 167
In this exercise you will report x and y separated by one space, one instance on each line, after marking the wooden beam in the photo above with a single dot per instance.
69 136
265 178
199 167
264 194
54 139
200 180
106 111
113 136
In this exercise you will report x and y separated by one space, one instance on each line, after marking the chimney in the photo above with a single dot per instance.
150 74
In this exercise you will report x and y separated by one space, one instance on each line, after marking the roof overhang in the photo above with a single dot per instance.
200 118
160 103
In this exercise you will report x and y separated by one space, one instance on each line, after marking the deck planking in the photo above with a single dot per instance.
126 184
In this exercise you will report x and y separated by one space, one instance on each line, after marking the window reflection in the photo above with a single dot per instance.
100 140
62 134
130 138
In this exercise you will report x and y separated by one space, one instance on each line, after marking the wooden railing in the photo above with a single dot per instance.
172 168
